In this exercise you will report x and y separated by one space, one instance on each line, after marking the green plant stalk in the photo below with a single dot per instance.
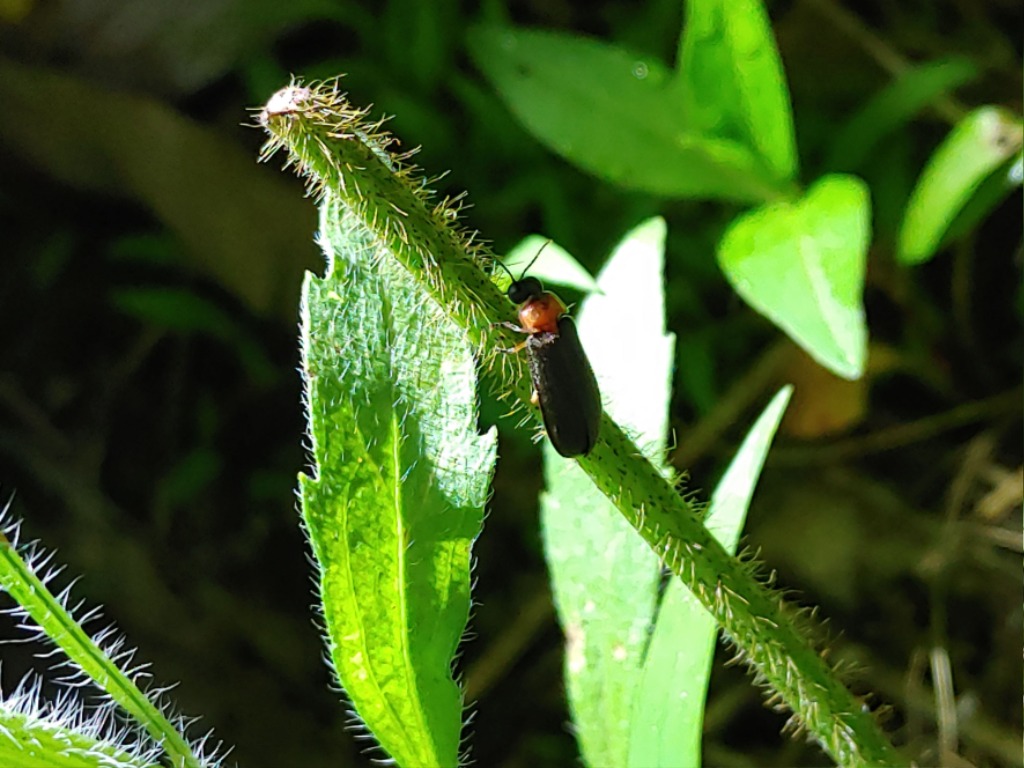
336 148
18 580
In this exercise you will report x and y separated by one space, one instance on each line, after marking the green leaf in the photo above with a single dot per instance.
802 266
731 81
605 579
187 312
398 493
239 225
894 106
992 191
186 479
980 143
554 264
613 114
418 40
633 360
668 714
342 154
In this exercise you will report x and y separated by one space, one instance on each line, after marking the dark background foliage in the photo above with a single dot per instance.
150 410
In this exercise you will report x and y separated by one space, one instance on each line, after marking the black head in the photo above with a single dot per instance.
525 289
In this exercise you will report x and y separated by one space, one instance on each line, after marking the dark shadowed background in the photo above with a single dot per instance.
150 414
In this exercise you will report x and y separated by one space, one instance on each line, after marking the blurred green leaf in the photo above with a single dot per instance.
147 247
613 114
802 266
732 86
554 264
890 171
977 146
398 493
176 309
418 38
189 477
992 191
633 360
244 227
263 74
14 11
605 579
166 46
894 106
668 715
52 258
186 312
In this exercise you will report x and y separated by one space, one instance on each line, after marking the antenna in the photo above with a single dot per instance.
534 259
508 271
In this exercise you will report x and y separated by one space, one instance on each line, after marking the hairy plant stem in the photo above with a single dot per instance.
19 579
341 154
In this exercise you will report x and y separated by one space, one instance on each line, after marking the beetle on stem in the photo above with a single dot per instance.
563 382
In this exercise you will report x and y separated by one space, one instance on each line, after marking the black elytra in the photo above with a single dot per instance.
563 381
570 401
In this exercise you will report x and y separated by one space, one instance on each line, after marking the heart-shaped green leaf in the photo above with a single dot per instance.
801 265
